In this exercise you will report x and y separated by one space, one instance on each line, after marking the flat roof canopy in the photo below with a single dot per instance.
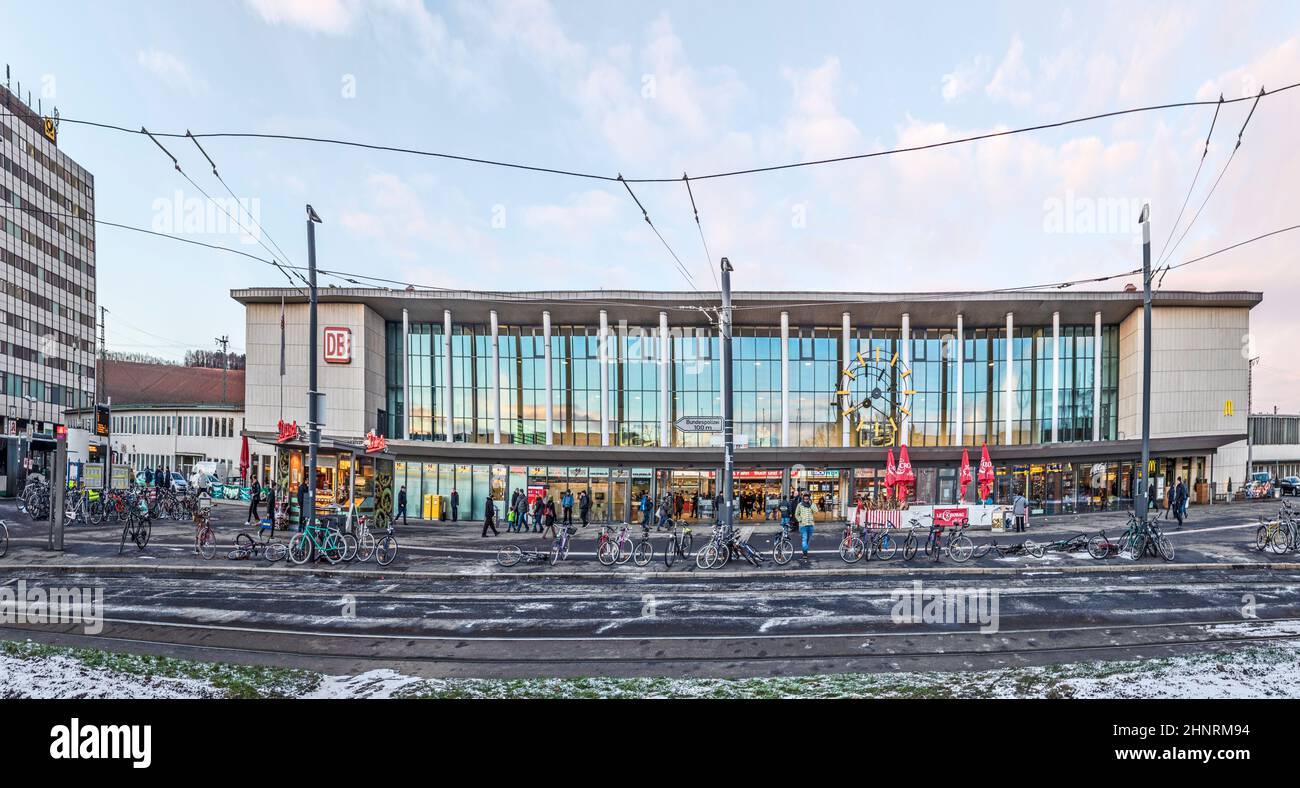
754 308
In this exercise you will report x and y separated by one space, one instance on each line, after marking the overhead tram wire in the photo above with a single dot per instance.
1204 153
710 176
221 208
708 257
681 267
231 192
1165 259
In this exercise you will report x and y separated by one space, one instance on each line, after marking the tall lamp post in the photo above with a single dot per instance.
1144 477
313 396
728 426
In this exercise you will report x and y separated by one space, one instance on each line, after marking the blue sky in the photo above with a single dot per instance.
657 90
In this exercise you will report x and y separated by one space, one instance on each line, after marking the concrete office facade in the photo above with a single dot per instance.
488 393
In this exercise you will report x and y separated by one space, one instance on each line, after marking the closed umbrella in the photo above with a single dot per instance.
891 476
903 473
986 477
965 478
243 459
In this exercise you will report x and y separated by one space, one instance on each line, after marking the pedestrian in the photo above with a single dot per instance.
584 507
455 505
490 517
302 504
1185 496
645 509
539 514
803 514
1019 508
148 477
548 514
158 477
401 505
254 497
270 505
1178 500
566 500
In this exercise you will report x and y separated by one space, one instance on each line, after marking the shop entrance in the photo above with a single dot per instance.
757 493
824 487
693 492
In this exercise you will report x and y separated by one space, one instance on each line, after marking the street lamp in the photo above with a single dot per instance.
1140 504
313 396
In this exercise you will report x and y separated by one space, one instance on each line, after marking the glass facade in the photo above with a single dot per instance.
815 372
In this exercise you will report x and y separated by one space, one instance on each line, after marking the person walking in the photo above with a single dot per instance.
566 501
270 506
158 477
645 509
803 514
455 505
1019 508
1177 500
401 505
490 517
548 514
148 477
584 507
302 504
254 498
539 512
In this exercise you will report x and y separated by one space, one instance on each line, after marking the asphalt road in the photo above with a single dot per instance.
444 608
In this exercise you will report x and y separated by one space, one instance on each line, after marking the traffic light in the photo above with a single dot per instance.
60 432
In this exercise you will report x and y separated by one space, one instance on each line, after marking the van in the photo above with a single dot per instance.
203 473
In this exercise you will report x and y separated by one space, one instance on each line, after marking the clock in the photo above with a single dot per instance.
876 395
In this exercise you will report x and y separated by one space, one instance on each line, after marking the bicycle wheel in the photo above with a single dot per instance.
1165 547
721 556
1098 547
670 552
509 555
386 549
556 550
142 534
349 547
625 549
782 551
702 559
886 546
960 548
4 540
276 551
126 531
207 543
1035 549
300 548
643 553
95 512
909 547
688 541
607 554
851 549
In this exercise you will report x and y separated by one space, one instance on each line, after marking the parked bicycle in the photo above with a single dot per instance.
205 539
136 530
512 554
316 540
782 546
679 544
616 550
560 547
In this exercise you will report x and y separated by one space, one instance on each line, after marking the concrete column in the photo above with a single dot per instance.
404 429
785 378
1009 384
494 401
1096 377
905 353
958 416
546 340
665 383
603 344
446 371
1056 377
846 331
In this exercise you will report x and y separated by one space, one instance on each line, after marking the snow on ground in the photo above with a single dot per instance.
1251 671
62 676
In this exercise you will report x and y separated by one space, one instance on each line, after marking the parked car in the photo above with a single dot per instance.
178 483
1289 485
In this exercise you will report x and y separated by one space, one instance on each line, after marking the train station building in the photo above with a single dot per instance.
486 393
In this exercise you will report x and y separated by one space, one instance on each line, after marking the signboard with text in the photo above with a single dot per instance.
338 345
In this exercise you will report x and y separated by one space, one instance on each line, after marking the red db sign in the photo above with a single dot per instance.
338 345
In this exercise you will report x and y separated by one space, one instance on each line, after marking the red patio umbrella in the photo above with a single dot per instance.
986 477
891 476
965 477
903 473
243 459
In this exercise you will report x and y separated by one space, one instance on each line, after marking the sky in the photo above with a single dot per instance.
662 89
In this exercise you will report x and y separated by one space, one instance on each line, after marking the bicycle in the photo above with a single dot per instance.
247 547
880 542
136 529
560 547
782 547
205 540
852 547
960 546
1027 547
386 547
316 539
679 543
618 550
1101 547
644 552
716 553
1277 536
512 554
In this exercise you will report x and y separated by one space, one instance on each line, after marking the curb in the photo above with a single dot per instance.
1101 568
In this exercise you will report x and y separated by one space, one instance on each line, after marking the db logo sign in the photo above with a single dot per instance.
338 345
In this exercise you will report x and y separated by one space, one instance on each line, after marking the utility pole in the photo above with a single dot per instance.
101 386
224 341
313 396
728 427
1144 476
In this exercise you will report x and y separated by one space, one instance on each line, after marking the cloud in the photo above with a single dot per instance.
169 69
1008 82
815 127
965 77
331 17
